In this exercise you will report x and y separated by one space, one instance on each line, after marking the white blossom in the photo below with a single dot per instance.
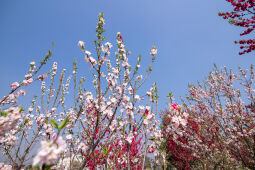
50 151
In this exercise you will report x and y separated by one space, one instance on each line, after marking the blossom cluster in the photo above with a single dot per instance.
50 151
9 119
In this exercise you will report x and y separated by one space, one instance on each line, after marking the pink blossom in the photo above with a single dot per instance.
9 121
22 92
42 77
14 85
175 106
50 151
129 138
81 44
109 45
69 137
27 82
153 51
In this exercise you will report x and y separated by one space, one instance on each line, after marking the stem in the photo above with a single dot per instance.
145 150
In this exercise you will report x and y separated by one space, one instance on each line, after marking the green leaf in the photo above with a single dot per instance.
4 114
144 117
139 57
150 69
105 150
139 127
35 167
47 167
26 121
21 109
20 126
63 123
54 123
124 128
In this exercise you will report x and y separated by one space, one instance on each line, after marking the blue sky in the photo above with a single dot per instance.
189 35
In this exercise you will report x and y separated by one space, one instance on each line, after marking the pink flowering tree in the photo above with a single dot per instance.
214 128
227 100
15 124
109 126
243 15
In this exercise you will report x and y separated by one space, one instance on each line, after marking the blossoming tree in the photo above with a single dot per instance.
214 128
109 126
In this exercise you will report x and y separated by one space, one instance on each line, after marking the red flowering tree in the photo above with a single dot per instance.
179 131
243 15
189 141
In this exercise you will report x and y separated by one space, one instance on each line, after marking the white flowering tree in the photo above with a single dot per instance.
109 126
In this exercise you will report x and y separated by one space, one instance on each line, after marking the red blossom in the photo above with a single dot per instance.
242 16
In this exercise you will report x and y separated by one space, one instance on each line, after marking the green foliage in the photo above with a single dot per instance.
4 114
54 123
63 123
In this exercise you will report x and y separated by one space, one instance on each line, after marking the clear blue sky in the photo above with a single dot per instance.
189 35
